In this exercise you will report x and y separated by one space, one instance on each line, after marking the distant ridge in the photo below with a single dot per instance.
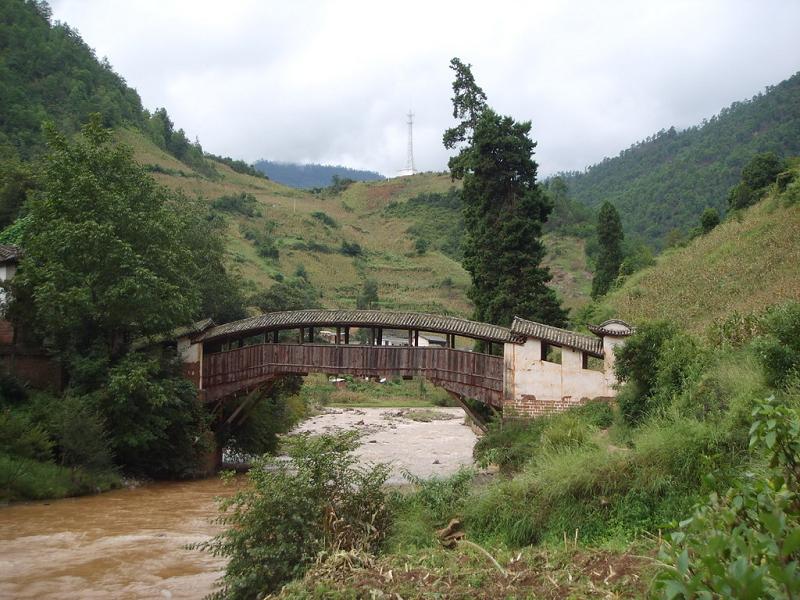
311 175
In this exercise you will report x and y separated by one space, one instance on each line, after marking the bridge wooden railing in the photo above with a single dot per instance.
468 374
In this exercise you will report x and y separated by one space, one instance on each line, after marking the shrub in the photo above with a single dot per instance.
744 543
318 501
421 245
243 203
779 349
21 438
325 218
351 248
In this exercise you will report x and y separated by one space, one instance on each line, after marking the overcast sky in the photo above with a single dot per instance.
331 82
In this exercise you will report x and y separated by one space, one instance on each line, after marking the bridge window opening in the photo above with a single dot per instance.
592 363
551 353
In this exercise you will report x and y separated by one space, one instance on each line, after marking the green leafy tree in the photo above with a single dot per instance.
504 210
609 259
761 171
368 298
103 263
320 500
709 219
112 257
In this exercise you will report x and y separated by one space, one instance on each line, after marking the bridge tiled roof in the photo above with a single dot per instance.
614 327
9 253
358 318
556 336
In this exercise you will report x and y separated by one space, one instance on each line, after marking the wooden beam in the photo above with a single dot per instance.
473 416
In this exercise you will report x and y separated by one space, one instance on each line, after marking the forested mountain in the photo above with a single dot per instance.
666 181
49 73
311 175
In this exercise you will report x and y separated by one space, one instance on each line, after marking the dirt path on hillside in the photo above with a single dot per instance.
438 447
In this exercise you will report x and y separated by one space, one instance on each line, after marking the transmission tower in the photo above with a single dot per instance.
410 170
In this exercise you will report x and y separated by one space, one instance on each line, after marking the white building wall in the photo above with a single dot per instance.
535 387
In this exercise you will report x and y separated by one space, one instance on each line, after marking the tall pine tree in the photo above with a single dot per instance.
504 210
609 236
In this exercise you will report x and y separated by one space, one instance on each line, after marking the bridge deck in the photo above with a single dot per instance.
468 374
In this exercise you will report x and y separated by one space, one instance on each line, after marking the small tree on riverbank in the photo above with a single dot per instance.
320 500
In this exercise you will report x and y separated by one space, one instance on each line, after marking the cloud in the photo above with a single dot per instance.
332 81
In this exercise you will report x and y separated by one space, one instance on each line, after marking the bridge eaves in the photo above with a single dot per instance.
359 318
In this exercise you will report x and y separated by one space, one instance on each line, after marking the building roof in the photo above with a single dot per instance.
358 318
9 253
614 327
557 336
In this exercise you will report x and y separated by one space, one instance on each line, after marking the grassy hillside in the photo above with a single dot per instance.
747 263
407 280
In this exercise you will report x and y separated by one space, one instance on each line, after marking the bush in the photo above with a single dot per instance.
320 500
351 248
779 349
21 438
243 203
744 543
658 364
325 218
156 424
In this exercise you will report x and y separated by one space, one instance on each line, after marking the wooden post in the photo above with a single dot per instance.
338 335
371 336
410 338
310 335
346 335
380 336
275 336
416 337
491 348
302 335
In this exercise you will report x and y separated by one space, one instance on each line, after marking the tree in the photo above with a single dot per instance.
469 102
504 210
368 298
756 176
104 263
609 236
709 219
112 257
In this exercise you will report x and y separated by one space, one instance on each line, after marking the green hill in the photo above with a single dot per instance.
749 262
665 181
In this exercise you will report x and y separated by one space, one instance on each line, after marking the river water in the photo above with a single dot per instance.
130 543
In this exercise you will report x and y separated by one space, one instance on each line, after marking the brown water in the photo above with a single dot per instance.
121 544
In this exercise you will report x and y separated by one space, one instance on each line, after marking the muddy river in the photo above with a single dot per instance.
131 543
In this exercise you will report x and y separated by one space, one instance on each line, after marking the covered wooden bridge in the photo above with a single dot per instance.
234 358
239 356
